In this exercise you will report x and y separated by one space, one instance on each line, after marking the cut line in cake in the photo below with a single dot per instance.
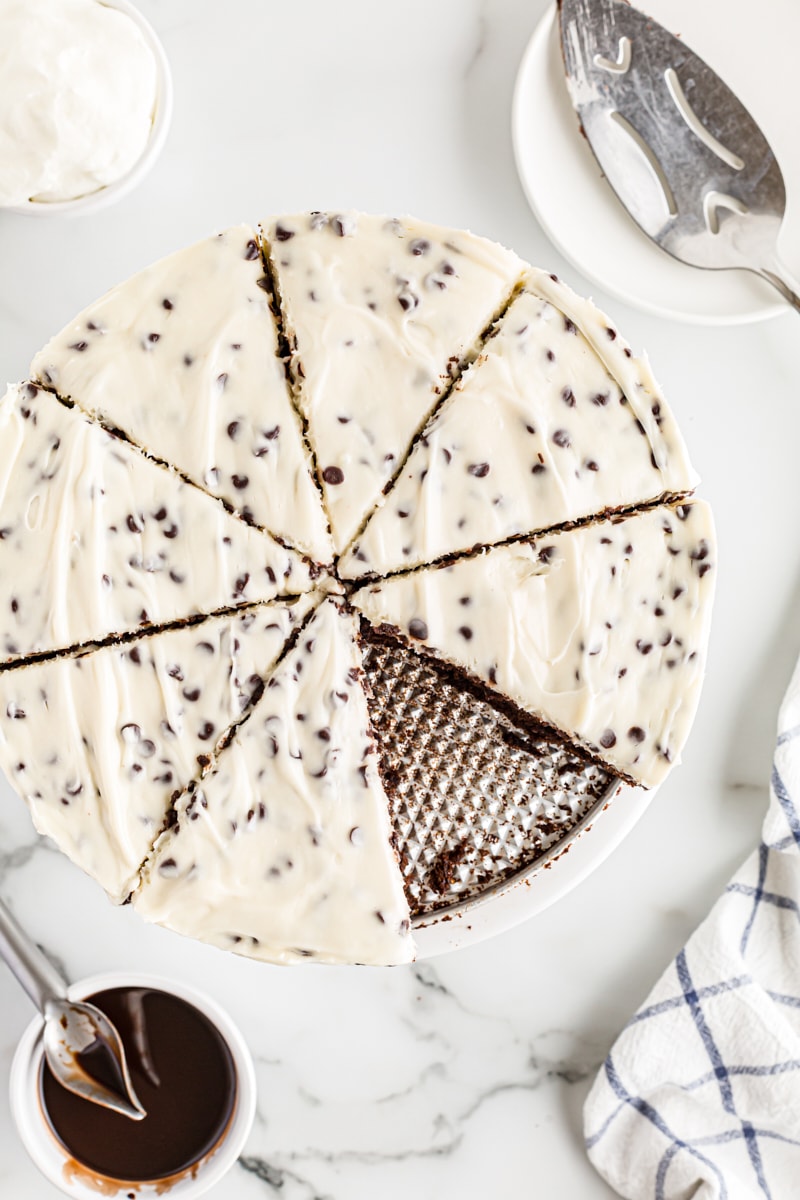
555 423
600 632
183 358
284 852
379 313
101 745
97 540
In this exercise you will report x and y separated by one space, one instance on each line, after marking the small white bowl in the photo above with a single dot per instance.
162 117
51 1158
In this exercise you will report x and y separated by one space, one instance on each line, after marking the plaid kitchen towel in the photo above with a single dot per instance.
700 1096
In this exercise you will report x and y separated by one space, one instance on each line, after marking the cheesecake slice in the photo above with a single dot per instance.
183 358
97 541
100 745
380 316
283 852
556 421
599 632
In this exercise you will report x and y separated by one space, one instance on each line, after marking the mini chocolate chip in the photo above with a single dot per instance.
333 475
419 246
644 647
538 468
167 304
568 396
608 739
134 524
600 399
570 326
636 733
135 655
205 732
591 465
233 430
562 438
251 251
222 380
547 553
612 333
191 694
240 482
79 346
418 629
282 234
465 632
479 470
153 338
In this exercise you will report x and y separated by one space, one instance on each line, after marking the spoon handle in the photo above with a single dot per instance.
37 975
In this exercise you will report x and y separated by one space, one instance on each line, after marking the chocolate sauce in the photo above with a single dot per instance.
183 1073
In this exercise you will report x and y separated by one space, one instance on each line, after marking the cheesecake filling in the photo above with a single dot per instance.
183 358
600 632
283 853
100 745
380 316
542 430
96 540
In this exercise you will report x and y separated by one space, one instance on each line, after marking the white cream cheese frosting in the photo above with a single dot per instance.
556 421
599 631
183 358
99 745
79 86
96 540
380 314
283 852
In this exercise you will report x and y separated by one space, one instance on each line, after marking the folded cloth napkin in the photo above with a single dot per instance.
700 1095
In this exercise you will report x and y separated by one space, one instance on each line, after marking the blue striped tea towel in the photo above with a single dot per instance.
699 1098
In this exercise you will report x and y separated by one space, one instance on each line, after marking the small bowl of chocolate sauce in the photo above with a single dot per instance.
192 1072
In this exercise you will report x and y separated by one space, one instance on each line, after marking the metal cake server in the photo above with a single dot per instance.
682 153
77 1035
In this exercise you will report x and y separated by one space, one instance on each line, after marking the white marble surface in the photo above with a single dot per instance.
463 1077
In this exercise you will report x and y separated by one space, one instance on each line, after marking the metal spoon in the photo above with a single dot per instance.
77 1035
682 153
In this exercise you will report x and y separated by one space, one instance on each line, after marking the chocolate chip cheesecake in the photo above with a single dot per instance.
254 468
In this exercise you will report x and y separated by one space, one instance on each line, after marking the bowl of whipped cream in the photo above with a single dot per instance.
87 102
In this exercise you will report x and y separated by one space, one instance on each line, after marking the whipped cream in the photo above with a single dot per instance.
78 88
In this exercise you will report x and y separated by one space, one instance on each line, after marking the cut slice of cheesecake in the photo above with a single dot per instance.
284 851
380 316
600 631
100 745
96 540
555 422
183 358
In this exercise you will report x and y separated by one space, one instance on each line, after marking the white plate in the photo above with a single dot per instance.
754 49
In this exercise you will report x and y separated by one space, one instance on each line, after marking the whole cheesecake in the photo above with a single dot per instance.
240 469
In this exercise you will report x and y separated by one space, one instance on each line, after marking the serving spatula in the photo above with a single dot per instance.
682 153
